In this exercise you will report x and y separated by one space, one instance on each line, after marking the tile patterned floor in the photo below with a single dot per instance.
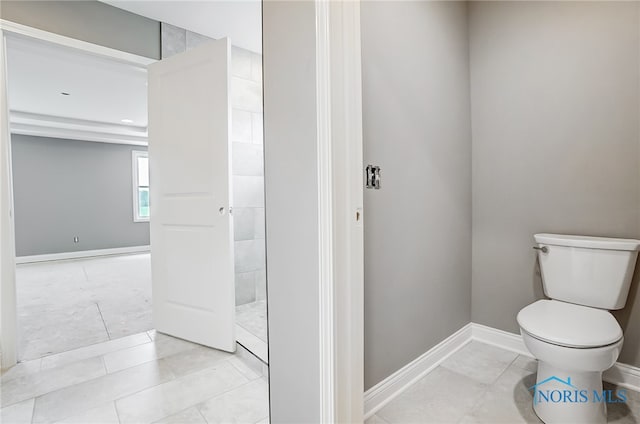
481 384
95 300
142 378
66 305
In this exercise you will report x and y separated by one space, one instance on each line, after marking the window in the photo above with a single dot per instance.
140 162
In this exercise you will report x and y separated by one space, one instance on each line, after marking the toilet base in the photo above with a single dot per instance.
563 396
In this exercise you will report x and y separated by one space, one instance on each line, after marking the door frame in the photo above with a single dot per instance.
341 195
312 81
8 310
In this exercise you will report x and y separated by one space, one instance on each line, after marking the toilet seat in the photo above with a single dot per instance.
569 325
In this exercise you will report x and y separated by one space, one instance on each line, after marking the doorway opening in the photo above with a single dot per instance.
78 121
78 129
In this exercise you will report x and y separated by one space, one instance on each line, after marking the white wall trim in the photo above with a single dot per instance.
384 392
377 397
623 375
82 254
499 338
76 129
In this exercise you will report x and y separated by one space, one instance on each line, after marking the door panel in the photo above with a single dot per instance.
190 193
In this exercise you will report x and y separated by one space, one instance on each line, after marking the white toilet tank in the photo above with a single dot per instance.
589 271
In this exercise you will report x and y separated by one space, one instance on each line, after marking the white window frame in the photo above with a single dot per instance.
135 154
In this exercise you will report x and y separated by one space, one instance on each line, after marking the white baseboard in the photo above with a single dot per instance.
82 254
384 392
499 338
622 375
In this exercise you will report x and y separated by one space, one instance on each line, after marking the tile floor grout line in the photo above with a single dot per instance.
103 323
115 407
240 371
156 359
489 386
90 380
104 364
218 395
80 273
88 346
176 377
33 410
183 376
201 414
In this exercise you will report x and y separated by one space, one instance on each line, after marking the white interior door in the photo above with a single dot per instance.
191 227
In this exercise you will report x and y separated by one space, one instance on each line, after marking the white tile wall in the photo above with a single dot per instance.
241 63
243 223
247 160
245 287
173 40
248 191
195 39
246 94
241 126
249 255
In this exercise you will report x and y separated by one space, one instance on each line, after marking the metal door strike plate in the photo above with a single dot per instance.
373 177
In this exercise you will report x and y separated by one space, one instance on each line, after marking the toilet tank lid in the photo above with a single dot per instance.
588 242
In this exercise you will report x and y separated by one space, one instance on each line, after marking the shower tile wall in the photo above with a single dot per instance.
247 157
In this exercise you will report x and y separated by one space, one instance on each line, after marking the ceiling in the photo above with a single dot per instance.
240 20
99 90
107 100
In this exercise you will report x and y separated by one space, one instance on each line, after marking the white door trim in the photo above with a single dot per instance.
340 203
347 208
8 318
325 216
8 314
340 195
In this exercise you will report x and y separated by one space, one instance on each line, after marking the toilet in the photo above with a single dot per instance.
572 334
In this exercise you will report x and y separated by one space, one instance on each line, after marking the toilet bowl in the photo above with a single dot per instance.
572 334
573 344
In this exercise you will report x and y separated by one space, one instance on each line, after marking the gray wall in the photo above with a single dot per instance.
91 21
247 161
556 147
292 210
66 188
418 225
